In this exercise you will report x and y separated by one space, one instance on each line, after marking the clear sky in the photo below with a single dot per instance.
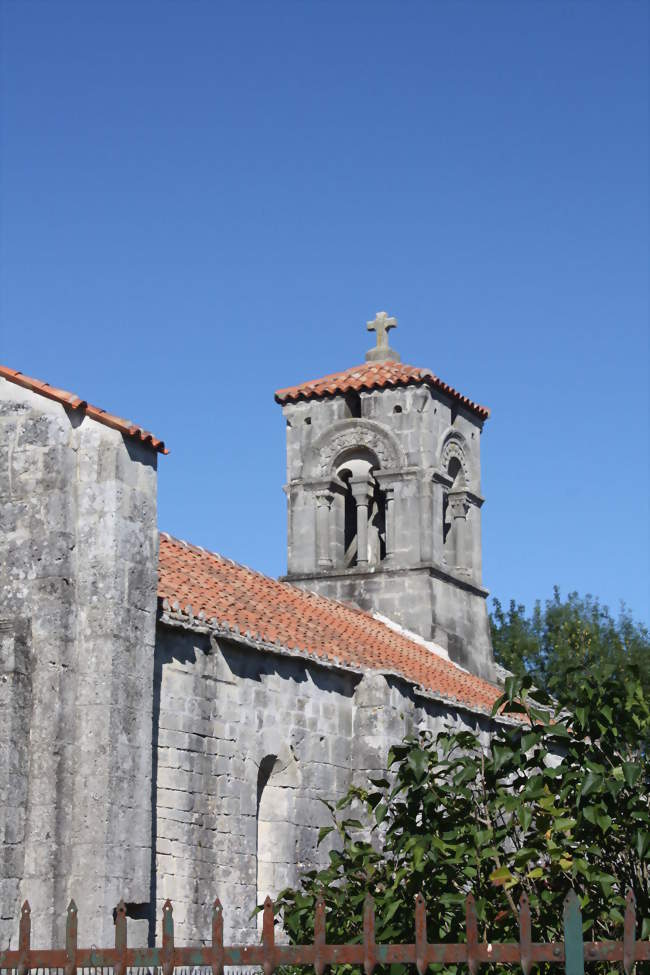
203 201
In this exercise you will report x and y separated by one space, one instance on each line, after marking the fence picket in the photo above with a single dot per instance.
574 949
367 955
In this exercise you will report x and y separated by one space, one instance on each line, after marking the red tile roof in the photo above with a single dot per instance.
73 402
375 375
229 596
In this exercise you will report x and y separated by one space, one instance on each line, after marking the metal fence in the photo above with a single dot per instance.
573 952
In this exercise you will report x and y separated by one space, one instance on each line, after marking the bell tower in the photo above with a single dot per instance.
384 501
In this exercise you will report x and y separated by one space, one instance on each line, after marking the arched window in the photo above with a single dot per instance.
276 829
364 510
454 510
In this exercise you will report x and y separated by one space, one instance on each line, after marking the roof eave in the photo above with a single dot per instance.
70 401
292 394
173 616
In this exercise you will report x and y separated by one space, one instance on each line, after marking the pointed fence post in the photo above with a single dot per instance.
629 933
71 939
574 949
525 936
119 968
217 938
319 936
420 934
268 937
24 939
167 953
472 934
369 953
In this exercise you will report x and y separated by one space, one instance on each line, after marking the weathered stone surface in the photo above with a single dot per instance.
78 549
239 792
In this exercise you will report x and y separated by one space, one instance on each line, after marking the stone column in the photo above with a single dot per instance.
361 489
323 507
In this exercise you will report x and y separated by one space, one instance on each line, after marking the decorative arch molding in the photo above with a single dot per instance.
454 446
346 435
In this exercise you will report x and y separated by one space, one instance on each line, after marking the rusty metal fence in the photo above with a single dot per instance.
572 953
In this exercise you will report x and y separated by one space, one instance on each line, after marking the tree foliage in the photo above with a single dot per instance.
563 638
554 798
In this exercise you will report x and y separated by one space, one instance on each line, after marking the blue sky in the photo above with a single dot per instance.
204 201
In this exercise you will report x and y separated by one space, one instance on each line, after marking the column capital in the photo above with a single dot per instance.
361 488
458 504
324 498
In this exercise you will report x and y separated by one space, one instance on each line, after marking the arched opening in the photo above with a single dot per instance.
455 471
350 522
276 825
364 510
454 512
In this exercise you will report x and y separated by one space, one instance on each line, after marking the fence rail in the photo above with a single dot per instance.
573 952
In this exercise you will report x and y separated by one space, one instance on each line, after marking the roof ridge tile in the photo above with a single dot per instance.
377 375
73 402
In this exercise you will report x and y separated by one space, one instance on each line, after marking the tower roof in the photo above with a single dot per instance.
375 375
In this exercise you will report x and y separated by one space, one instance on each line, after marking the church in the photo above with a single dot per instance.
171 719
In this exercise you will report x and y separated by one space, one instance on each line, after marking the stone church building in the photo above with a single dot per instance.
170 719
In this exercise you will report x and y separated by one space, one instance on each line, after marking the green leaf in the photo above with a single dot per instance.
323 832
631 772
501 754
591 782
564 823
605 822
500 876
529 740
380 812
418 762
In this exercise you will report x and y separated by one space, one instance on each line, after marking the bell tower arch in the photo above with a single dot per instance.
383 498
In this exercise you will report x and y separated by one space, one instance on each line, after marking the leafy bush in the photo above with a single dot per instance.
556 797
563 638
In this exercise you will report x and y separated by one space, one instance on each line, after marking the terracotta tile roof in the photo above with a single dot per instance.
375 375
196 583
73 402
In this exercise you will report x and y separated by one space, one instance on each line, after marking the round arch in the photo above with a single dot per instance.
350 437
453 448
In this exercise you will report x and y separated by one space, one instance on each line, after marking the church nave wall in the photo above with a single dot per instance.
247 744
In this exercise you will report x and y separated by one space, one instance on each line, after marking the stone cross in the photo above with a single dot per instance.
381 325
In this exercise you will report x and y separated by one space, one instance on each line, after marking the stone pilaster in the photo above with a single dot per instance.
324 526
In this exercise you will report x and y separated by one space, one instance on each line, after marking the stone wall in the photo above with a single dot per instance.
247 743
78 556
